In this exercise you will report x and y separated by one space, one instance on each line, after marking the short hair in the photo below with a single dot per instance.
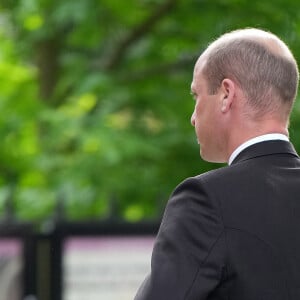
261 72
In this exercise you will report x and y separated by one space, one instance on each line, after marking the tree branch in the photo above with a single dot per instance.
47 54
159 69
141 30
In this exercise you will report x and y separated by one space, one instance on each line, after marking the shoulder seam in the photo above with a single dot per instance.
204 260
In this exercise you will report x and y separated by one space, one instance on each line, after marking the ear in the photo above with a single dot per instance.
228 90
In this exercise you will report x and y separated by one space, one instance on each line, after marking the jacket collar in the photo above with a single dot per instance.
266 148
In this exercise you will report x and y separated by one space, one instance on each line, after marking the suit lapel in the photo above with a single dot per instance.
266 148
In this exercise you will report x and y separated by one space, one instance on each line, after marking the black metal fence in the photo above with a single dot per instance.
41 266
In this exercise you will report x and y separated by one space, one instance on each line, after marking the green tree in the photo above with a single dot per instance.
95 103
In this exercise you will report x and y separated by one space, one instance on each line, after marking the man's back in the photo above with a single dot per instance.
259 198
232 233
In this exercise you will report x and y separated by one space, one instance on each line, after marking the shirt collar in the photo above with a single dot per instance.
258 139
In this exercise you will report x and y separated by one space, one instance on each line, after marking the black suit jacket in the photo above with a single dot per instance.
232 233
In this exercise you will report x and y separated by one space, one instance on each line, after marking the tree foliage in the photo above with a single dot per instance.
95 104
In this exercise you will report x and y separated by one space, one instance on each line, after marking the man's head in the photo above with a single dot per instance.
244 81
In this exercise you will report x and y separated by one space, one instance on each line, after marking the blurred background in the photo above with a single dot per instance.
94 99
95 102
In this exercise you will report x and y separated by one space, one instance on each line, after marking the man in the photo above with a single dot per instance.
233 233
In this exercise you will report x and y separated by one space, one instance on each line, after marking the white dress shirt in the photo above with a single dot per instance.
258 139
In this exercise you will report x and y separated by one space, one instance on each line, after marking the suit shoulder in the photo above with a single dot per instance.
199 181
214 174
201 184
224 175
